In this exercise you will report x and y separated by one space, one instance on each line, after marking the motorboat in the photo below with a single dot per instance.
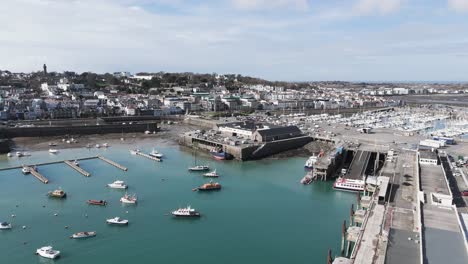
118 185
83 234
97 202
76 163
212 174
48 252
129 199
117 221
19 154
185 212
199 168
53 151
5 226
57 194
211 186
134 151
105 145
98 146
52 144
310 162
9 155
26 170
156 154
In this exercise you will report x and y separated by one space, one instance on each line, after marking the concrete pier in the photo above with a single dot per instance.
78 169
38 175
113 163
148 156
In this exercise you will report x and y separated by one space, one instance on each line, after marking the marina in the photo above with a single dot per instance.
115 164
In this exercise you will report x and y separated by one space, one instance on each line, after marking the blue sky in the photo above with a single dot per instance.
293 40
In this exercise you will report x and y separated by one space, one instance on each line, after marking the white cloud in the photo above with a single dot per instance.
270 4
458 5
371 7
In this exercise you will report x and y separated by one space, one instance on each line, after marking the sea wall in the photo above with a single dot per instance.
12 132
4 146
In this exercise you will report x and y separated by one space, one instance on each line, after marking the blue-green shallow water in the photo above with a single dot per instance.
262 214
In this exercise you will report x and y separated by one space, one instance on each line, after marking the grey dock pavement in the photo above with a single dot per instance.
78 169
115 164
38 175
148 156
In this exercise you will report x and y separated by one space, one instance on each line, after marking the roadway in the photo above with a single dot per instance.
358 166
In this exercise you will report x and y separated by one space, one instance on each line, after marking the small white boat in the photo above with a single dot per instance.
127 199
117 221
9 155
156 154
83 235
134 151
199 168
147 132
76 163
26 170
52 144
118 185
53 151
5 226
48 252
98 146
19 154
212 174
105 145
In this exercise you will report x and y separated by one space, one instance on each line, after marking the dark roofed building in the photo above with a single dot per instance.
276 133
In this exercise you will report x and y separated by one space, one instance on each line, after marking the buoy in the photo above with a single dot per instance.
126 212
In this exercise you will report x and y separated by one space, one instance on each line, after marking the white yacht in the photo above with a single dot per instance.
186 212
349 185
117 221
53 151
118 185
156 154
129 199
26 170
5 226
199 168
212 174
48 252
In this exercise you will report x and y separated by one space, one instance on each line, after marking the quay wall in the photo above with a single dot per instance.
4 146
12 132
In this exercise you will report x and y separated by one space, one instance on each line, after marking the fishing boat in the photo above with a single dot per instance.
53 151
129 199
118 185
97 202
26 170
5 226
83 235
199 168
185 212
212 174
57 194
156 154
211 186
48 252
117 221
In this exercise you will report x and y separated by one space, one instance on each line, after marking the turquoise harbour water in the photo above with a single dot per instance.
262 214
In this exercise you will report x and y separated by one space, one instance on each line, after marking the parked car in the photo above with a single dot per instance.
464 193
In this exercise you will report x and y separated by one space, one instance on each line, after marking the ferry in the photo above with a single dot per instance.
57 194
118 185
349 185
310 162
211 186
199 168
185 212
97 202
83 234
127 199
117 221
48 252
